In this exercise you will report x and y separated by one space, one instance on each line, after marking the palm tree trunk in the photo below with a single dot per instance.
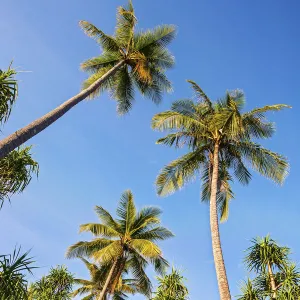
22 135
272 281
215 234
118 275
108 280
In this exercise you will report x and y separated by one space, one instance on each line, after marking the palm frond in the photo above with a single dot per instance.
107 42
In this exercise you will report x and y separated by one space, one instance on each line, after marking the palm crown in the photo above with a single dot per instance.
143 56
204 124
129 241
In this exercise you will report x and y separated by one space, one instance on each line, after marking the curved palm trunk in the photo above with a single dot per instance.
108 280
215 234
21 136
272 281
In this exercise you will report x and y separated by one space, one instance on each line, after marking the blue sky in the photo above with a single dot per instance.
91 155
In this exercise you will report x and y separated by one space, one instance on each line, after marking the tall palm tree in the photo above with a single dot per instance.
220 139
129 59
94 286
125 242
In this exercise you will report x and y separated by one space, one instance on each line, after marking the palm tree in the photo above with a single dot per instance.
95 285
220 139
171 287
125 242
13 271
129 59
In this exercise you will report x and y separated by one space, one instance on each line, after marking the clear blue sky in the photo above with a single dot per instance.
91 155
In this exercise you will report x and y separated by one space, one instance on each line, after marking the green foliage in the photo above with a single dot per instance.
91 288
145 57
17 168
202 125
268 261
57 285
8 93
16 171
129 239
171 287
13 270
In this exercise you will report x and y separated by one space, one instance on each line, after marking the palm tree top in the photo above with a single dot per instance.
201 125
144 55
129 239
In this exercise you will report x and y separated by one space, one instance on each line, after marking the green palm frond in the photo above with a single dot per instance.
84 248
200 94
155 234
180 171
109 253
126 210
145 247
99 230
123 91
107 42
268 163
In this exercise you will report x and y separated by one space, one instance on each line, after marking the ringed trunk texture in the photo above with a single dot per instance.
22 135
215 234
272 281
108 280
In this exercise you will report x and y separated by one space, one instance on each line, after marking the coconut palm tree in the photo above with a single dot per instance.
94 286
220 139
129 60
171 287
125 242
